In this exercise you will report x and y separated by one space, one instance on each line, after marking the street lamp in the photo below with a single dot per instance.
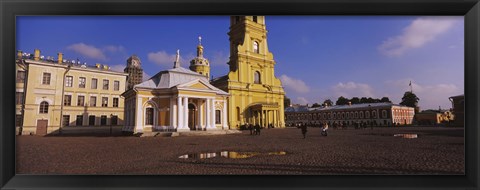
69 66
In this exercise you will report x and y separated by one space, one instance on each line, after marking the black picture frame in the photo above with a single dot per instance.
9 9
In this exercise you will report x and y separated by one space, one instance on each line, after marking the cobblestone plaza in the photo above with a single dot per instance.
275 151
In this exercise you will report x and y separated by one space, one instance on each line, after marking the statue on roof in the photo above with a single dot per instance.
176 64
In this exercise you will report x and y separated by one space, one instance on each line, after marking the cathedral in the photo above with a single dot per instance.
181 99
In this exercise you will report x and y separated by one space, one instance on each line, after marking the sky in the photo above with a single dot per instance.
317 57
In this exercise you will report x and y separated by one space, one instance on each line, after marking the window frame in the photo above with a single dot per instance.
69 81
43 108
105 86
80 83
21 76
116 85
94 102
78 100
46 78
106 104
69 100
94 83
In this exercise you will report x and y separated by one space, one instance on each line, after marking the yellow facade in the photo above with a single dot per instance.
42 95
256 94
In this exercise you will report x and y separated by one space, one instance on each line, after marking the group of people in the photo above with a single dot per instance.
254 129
324 132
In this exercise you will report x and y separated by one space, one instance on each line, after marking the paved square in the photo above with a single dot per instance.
377 151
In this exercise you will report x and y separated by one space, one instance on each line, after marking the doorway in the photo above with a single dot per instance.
191 116
42 127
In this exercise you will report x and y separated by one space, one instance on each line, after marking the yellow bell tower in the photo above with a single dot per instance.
200 64
256 95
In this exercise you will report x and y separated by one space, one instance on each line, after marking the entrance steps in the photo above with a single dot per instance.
189 133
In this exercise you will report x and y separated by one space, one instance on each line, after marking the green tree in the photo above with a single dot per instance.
385 99
327 102
342 101
314 105
355 100
410 99
363 100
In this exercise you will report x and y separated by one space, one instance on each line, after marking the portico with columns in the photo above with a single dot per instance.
178 100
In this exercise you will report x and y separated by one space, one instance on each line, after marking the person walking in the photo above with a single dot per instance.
324 129
250 127
304 130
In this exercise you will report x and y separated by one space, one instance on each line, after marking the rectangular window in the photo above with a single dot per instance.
46 78
93 101
105 84
103 120
67 100
18 120
116 85
81 82
94 83
218 119
104 101
19 98
66 120
91 120
81 101
69 81
115 102
114 120
21 76
79 121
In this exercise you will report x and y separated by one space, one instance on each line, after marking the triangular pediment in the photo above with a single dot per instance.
199 85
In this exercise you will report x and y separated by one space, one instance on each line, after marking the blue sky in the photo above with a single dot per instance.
318 57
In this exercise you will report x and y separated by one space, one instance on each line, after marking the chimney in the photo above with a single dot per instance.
60 57
36 55
19 54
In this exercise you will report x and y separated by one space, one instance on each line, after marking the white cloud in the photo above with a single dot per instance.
163 58
219 58
88 51
352 89
301 100
114 49
296 85
417 34
431 96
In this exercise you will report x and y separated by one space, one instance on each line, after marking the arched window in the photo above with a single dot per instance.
43 107
255 47
149 116
255 19
361 115
256 77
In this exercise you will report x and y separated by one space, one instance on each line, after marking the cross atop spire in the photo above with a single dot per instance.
176 64
199 40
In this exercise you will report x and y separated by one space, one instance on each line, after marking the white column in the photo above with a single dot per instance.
224 120
213 113
201 107
172 113
138 116
179 115
185 112
207 111
199 115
